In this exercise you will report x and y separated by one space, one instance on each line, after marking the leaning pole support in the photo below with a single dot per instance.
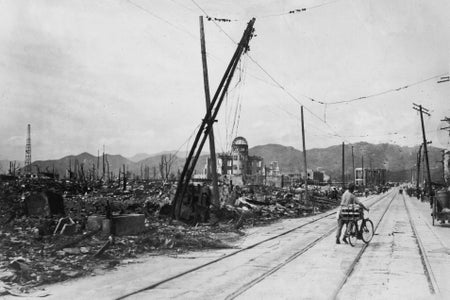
208 120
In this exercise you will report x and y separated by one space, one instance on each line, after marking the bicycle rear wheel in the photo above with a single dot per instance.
352 232
367 231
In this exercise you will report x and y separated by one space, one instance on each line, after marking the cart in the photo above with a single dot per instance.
441 207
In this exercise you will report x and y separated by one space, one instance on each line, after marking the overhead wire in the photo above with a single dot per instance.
382 92
160 18
271 15
277 83
186 142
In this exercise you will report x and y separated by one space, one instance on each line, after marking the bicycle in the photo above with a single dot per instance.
359 227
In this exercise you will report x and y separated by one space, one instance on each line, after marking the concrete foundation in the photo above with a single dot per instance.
44 204
128 224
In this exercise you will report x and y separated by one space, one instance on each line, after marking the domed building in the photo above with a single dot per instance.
238 163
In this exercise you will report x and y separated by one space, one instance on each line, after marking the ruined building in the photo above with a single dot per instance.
238 166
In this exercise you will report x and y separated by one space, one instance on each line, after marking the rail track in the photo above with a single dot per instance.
248 285
352 266
432 283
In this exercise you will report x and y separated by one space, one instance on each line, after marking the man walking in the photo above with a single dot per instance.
347 198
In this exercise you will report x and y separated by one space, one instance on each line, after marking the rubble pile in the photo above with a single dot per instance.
46 248
29 259
56 230
262 204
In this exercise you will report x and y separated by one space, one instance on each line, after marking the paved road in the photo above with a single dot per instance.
296 259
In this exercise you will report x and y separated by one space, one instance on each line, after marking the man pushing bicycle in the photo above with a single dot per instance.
347 198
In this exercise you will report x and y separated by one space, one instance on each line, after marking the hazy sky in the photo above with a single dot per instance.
87 73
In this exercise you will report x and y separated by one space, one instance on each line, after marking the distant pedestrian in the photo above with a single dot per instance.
347 198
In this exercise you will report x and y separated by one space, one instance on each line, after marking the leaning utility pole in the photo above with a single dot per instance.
343 166
422 111
304 156
212 148
208 120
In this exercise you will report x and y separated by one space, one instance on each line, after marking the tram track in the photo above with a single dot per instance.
355 262
291 258
429 226
267 273
428 271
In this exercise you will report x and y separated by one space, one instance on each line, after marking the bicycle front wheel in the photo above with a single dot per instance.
352 233
367 231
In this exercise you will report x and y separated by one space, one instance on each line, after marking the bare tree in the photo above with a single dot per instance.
165 166
13 168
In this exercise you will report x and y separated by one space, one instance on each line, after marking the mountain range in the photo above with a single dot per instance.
398 160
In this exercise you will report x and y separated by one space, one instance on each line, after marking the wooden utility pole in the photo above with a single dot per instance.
304 156
422 111
98 163
362 169
353 166
206 124
443 165
103 163
124 177
343 165
418 167
212 147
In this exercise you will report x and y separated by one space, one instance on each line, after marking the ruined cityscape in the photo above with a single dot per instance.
264 195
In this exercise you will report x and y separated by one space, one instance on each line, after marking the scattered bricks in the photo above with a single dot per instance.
94 223
128 224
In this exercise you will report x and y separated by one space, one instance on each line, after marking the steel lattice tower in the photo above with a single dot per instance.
28 151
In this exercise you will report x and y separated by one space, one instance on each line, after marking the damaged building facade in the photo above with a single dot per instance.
238 166
364 177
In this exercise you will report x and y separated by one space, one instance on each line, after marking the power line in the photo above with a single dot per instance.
160 18
277 83
383 92
272 15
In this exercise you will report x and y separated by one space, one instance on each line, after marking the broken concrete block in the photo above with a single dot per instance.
106 226
94 223
128 224
73 251
71 273
85 250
